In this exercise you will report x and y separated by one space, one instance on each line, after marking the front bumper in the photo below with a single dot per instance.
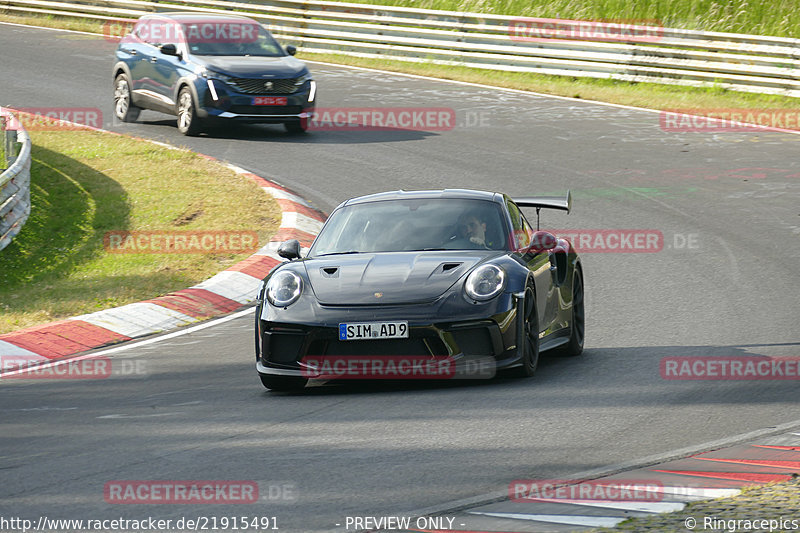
219 100
481 343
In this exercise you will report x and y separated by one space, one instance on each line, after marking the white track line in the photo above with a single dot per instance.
588 521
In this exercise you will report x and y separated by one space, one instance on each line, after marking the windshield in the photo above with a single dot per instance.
416 224
230 38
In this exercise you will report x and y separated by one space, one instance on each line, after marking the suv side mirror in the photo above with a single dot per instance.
289 249
291 50
169 50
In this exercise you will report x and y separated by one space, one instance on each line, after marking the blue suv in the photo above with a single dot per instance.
201 67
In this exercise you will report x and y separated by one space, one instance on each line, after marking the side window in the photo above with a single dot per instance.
522 231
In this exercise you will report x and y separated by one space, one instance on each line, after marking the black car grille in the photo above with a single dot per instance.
266 109
383 347
265 86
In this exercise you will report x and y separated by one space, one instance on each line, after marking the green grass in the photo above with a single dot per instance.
84 184
777 17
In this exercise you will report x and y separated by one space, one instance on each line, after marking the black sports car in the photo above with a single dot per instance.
420 284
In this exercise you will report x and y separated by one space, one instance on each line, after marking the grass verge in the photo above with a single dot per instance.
85 184
777 17
772 502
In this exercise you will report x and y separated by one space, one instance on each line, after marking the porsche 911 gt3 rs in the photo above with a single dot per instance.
399 280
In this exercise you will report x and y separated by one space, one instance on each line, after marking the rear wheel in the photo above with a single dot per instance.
530 337
577 326
123 102
283 383
188 121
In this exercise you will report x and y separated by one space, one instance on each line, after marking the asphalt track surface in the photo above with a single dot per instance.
198 412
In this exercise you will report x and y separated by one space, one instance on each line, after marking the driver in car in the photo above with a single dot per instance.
472 229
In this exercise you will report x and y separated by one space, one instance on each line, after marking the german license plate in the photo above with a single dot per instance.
352 331
270 100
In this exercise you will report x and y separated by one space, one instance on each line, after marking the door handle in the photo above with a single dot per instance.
154 59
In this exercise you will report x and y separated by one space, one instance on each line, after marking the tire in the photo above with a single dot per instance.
123 101
577 325
188 121
298 126
283 383
530 358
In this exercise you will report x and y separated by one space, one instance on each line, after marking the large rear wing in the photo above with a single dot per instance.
545 202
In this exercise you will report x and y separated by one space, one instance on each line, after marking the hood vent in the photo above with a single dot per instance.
447 267
329 272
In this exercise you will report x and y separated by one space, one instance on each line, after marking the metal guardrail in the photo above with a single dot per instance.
740 62
15 181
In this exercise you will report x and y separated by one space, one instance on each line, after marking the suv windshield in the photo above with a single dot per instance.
413 224
230 38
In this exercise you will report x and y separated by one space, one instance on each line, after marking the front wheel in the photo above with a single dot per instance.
530 337
283 383
123 102
188 121
577 327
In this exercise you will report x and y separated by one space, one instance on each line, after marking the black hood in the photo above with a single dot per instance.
388 278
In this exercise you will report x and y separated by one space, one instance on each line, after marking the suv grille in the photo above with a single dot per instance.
265 86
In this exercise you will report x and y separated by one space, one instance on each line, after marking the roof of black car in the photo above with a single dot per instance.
426 195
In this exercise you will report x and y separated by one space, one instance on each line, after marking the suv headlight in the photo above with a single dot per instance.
302 79
485 282
284 288
203 72
220 76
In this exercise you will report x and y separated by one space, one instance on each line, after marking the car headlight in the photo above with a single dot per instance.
203 72
302 79
485 282
284 288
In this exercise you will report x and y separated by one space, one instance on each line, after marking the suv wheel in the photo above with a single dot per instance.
123 103
188 121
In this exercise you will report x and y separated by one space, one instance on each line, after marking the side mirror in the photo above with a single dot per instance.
291 50
289 249
169 50
542 241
